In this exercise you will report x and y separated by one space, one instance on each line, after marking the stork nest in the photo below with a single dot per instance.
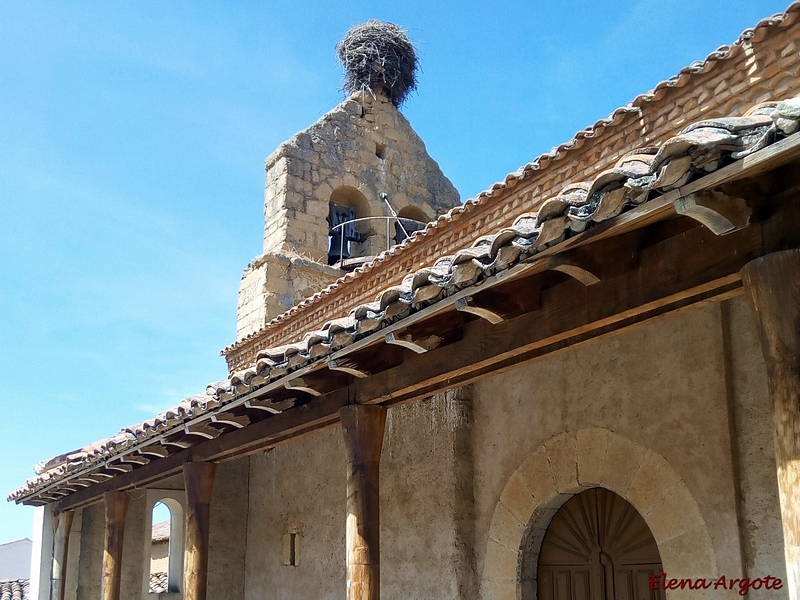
378 57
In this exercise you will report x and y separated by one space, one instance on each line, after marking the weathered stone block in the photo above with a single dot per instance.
562 453
652 482
674 515
501 563
689 555
506 529
623 459
498 590
537 477
518 499
592 445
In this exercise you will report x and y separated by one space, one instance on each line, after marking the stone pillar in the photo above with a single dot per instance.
62 525
772 284
199 480
363 427
116 504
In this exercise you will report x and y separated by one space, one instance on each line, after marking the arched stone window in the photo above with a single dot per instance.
164 544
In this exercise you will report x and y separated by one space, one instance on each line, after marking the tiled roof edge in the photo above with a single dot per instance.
701 148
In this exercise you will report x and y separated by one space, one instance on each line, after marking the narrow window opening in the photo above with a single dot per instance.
291 548
163 566
159 548
380 150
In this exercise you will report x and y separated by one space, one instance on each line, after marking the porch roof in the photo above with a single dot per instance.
646 185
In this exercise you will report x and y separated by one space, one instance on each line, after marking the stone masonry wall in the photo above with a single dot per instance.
426 514
662 392
273 283
361 149
364 144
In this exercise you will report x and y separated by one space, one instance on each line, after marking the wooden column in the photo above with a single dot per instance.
772 284
363 427
199 480
62 524
116 507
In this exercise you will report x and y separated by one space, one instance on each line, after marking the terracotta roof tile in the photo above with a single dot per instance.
14 589
637 178
159 583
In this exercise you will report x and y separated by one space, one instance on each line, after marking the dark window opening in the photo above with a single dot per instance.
342 231
293 549
403 228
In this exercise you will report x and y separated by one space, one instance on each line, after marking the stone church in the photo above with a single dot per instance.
582 384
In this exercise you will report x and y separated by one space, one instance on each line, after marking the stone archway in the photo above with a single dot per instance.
569 463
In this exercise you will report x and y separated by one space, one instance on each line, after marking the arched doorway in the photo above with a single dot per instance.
598 547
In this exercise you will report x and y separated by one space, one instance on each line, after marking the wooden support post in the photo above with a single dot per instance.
772 284
363 427
116 508
62 524
199 480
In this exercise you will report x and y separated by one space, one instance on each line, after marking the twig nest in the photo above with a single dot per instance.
378 57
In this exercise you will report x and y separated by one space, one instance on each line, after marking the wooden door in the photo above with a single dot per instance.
598 547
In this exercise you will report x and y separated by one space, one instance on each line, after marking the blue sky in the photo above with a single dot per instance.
132 141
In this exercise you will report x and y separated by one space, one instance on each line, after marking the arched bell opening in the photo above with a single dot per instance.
596 545
349 237
410 219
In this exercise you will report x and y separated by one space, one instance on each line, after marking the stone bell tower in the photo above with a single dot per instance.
362 160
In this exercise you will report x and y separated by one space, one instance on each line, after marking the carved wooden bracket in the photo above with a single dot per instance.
135 459
301 385
179 443
228 418
155 451
204 429
719 212
270 406
93 478
406 340
347 366
574 268
467 305
121 467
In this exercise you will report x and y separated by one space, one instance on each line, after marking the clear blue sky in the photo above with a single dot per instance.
132 141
